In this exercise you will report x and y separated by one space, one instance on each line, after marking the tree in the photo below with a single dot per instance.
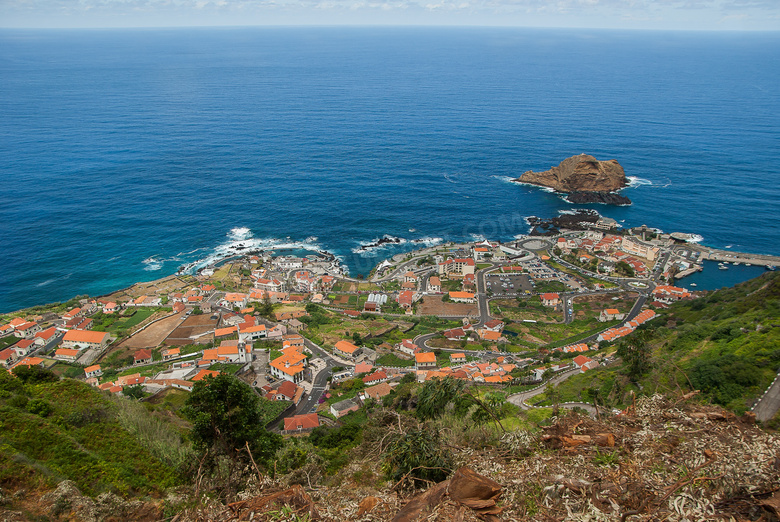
226 416
419 457
266 308
635 353
34 374
134 392
436 394
624 268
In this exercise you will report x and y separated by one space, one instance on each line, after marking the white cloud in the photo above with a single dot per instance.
648 14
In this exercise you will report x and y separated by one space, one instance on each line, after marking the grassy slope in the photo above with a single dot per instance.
81 439
726 344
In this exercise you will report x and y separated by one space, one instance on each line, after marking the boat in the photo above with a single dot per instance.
694 284
735 263
770 267
723 267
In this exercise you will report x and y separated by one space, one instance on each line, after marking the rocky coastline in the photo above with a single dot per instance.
552 226
607 198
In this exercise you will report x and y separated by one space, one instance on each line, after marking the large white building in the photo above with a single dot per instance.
635 248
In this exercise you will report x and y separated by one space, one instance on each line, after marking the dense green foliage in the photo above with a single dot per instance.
227 415
436 394
53 430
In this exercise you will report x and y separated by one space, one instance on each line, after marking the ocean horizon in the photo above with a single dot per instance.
126 154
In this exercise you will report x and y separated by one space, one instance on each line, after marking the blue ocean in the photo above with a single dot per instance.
125 154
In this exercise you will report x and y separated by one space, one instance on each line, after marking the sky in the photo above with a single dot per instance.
711 15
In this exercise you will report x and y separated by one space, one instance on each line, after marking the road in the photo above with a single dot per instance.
320 381
767 406
482 298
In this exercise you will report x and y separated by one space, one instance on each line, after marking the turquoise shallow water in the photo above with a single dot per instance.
125 154
712 278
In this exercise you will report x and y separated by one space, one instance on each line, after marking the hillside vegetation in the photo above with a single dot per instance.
725 344
52 430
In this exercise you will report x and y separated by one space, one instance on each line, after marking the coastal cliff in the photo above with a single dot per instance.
590 180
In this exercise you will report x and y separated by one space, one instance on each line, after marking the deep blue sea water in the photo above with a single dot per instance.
127 153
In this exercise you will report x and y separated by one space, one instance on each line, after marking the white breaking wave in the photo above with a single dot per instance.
636 181
369 248
381 242
239 233
152 264
428 241
695 238
574 211
477 237
240 241
507 179
49 281
545 189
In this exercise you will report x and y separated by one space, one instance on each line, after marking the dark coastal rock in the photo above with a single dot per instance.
583 174
608 198
384 240
553 226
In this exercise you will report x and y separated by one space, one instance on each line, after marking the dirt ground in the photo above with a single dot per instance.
158 287
433 305
192 326
153 335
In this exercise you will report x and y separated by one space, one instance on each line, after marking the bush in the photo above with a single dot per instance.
39 407
417 457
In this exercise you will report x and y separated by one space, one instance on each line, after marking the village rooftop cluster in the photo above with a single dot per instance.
251 317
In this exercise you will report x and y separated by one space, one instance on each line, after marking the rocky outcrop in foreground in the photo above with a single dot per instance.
584 177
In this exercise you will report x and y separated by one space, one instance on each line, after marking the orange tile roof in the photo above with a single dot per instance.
303 422
581 359
346 347
30 361
66 352
203 374
93 368
290 363
85 336
142 354
461 295
253 329
491 336
425 357
219 332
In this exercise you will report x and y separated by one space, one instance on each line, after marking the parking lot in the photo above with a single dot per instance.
503 284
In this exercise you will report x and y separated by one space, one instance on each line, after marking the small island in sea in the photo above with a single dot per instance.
584 179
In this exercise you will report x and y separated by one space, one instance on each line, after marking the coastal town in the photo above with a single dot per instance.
511 315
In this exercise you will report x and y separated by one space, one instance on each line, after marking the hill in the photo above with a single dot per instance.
64 430
725 344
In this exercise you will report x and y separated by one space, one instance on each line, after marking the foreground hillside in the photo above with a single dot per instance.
664 461
55 430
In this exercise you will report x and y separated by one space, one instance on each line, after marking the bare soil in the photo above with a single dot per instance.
433 305
153 335
194 325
